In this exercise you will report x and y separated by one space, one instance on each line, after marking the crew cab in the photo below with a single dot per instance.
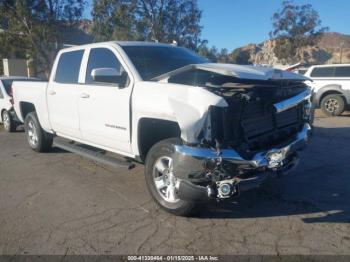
7 115
203 130
331 87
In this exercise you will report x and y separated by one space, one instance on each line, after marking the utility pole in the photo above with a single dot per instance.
342 43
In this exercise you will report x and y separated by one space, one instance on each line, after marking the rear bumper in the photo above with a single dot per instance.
279 160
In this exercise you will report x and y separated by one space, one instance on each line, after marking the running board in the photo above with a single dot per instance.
91 154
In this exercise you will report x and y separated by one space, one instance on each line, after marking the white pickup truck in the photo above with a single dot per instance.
204 131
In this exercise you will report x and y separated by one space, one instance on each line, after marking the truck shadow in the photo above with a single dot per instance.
318 190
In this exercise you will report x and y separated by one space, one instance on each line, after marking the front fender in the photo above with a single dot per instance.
191 112
186 105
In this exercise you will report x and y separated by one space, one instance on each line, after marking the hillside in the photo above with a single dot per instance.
326 51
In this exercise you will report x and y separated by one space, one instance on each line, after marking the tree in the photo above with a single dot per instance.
223 56
240 56
148 20
210 53
35 28
294 27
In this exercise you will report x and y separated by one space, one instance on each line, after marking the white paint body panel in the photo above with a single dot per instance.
186 105
35 93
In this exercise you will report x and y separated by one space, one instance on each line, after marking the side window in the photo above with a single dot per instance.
1 95
101 58
68 67
342 71
322 72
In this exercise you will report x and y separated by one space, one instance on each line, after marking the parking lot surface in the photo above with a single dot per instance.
61 203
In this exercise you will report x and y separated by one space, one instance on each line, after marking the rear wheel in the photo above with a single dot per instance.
333 105
38 139
9 123
162 182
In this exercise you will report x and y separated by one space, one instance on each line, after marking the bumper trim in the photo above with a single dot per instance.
259 159
293 101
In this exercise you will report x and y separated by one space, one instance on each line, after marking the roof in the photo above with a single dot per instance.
140 43
120 43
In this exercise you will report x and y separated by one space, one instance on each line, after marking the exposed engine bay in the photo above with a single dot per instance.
250 124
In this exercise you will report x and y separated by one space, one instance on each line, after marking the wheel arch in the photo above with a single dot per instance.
26 108
331 89
152 130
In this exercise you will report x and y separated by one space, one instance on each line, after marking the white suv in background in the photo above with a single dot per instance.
7 114
331 87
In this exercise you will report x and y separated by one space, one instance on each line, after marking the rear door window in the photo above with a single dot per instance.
342 71
68 67
322 72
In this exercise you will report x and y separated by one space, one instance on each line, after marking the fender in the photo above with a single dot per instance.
186 105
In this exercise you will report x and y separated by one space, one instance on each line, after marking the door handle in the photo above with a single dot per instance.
84 95
52 92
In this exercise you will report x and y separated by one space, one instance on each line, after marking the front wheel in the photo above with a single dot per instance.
8 122
162 182
333 105
38 139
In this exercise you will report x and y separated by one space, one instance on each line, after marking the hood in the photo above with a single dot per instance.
238 71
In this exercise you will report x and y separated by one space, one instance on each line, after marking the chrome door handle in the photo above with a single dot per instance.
84 95
52 92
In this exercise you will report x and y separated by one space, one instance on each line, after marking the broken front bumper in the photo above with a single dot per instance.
191 160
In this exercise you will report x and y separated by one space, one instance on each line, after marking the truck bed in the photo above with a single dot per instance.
33 92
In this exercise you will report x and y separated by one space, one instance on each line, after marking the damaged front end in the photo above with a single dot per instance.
257 136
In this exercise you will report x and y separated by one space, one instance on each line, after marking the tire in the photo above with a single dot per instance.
38 139
8 122
162 152
333 105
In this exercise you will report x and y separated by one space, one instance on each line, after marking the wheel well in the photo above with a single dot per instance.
330 92
151 131
26 108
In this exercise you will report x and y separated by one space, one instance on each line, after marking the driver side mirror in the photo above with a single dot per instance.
110 75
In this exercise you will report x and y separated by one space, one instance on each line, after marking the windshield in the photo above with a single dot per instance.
152 61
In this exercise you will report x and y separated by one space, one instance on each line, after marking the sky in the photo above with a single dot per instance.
235 23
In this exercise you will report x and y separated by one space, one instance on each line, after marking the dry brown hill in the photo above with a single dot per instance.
326 51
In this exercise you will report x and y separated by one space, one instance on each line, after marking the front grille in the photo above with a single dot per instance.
263 127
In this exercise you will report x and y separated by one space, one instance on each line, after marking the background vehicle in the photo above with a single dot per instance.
203 130
331 87
8 115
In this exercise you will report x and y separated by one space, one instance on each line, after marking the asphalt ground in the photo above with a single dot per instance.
61 203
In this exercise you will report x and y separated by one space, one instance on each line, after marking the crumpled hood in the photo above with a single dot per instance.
238 71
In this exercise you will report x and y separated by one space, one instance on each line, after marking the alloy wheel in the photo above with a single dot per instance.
32 133
6 120
332 105
165 180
